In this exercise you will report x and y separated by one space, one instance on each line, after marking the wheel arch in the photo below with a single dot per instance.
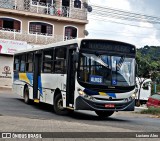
57 91
25 86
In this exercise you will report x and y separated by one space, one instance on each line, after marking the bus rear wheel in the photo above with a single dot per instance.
58 105
26 96
104 114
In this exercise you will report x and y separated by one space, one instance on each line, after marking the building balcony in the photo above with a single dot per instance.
34 8
31 38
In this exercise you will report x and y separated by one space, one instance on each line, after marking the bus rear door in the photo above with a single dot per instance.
36 76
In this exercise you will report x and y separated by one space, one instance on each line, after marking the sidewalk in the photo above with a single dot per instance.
5 89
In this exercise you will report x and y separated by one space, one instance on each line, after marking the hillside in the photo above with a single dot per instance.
151 54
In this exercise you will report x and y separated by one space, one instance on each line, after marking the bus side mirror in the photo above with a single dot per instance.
75 57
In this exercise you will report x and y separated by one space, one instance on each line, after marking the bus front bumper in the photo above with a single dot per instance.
85 104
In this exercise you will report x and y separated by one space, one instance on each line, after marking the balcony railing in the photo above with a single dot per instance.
35 38
44 8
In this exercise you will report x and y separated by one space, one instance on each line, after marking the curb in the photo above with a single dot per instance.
5 89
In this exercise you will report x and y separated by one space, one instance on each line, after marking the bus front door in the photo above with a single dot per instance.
36 76
70 77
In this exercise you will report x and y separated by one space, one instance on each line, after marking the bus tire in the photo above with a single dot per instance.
104 114
58 105
138 103
26 95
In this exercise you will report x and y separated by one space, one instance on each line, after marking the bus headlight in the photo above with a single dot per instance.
82 93
88 97
133 96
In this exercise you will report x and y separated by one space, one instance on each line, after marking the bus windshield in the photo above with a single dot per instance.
106 70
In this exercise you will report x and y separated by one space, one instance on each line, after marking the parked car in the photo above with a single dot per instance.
154 101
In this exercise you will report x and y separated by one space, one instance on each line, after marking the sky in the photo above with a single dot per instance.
144 34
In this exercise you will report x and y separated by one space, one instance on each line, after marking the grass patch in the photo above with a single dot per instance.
152 111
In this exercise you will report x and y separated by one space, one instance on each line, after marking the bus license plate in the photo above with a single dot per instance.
109 105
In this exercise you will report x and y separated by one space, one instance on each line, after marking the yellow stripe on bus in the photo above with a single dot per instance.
23 77
102 94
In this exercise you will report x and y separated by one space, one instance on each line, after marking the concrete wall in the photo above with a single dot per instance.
58 25
6 71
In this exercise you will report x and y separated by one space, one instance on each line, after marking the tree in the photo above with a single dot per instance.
148 60
143 73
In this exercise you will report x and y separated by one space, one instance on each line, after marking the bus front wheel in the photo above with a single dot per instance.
104 114
58 105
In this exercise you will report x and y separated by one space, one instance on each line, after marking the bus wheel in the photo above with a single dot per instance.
58 105
104 114
138 103
26 96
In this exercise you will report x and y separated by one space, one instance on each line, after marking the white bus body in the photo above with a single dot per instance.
57 75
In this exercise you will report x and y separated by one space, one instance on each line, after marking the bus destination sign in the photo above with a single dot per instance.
102 45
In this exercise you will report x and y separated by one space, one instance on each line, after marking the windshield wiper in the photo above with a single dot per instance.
95 58
118 66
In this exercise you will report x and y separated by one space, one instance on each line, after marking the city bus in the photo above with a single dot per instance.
79 74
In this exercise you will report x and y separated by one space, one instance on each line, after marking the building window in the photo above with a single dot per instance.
66 3
40 28
77 4
9 24
42 2
70 33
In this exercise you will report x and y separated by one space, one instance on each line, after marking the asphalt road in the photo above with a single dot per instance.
15 115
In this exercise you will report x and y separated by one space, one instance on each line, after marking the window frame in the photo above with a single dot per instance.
77 7
47 61
20 59
28 62
40 33
64 70
12 30
15 70
43 6
64 31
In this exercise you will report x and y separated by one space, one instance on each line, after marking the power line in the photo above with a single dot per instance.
126 12
123 15
98 30
124 35
105 20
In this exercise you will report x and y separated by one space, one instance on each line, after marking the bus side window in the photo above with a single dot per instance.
22 63
48 61
60 60
16 63
29 62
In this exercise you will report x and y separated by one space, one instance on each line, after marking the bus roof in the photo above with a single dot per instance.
73 41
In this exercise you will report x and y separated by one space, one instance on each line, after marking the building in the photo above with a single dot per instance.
7 48
37 22
42 21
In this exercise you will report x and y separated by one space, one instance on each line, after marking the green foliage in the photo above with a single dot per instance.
157 88
148 60
151 110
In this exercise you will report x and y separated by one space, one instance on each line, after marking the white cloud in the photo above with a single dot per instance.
131 34
121 4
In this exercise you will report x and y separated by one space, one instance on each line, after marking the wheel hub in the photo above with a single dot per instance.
60 104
